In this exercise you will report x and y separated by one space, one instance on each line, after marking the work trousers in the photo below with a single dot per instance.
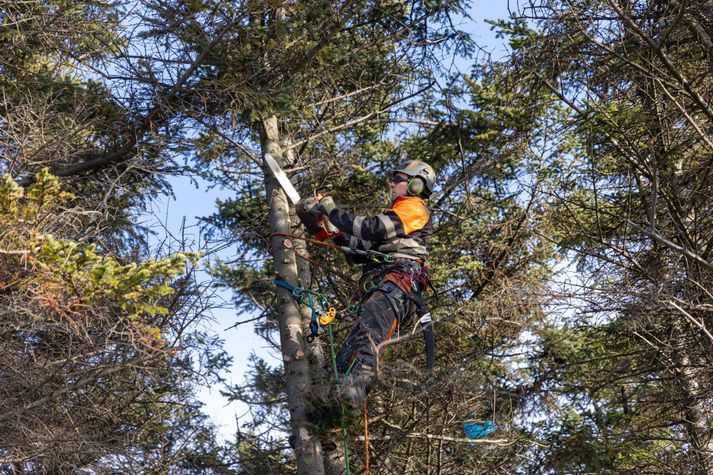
385 310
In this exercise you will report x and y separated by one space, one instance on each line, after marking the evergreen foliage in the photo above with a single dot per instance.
571 260
98 340
623 356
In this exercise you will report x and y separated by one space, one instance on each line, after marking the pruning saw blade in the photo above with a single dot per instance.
282 179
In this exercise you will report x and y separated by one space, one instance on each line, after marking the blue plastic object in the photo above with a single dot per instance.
477 430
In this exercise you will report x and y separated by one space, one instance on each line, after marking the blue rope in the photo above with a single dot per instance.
299 293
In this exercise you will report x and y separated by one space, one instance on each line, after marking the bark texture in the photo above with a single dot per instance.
294 356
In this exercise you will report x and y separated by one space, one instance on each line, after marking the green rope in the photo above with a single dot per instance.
346 451
336 376
351 367
331 351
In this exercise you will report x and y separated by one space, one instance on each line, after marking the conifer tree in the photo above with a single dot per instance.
97 338
626 364
486 255
300 81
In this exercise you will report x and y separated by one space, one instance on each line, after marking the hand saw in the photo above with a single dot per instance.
315 223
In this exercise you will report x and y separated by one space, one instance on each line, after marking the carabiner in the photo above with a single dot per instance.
328 317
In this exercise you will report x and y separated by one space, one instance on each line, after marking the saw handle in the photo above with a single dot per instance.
316 223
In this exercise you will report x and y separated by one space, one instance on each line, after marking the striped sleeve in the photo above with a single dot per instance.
383 226
352 242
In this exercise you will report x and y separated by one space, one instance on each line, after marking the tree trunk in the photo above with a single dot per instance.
292 342
694 402
319 366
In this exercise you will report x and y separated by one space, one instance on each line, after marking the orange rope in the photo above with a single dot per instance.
366 440
342 276
312 261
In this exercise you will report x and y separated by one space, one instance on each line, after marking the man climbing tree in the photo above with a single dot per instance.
393 247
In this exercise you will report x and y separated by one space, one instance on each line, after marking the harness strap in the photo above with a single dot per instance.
427 327
411 283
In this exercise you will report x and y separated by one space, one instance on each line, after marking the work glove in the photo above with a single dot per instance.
309 205
326 205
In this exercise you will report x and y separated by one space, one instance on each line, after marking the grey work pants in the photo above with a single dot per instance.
381 314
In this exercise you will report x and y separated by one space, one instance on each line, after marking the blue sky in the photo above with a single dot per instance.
192 202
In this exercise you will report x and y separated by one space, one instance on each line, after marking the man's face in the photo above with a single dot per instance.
399 185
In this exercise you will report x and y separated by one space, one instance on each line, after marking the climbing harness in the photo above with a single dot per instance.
375 256
412 278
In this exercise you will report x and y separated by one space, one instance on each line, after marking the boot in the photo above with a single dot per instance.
354 388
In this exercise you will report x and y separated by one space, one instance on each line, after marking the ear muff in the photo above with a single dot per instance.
415 186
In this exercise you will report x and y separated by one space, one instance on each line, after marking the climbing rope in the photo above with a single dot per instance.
326 268
306 239
333 358
366 440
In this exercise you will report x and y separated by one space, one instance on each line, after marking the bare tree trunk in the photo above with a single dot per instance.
334 461
294 357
